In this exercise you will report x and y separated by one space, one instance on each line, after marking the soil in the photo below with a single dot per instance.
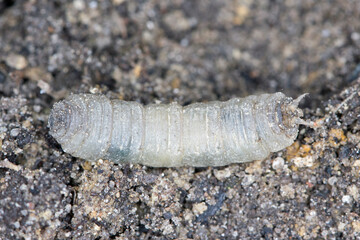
184 51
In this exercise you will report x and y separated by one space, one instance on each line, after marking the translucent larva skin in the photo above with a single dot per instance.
169 135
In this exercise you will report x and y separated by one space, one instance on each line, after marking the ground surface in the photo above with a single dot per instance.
182 51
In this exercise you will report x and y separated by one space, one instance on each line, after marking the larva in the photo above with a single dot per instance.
169 135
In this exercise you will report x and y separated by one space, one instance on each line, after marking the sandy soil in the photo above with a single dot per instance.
184 51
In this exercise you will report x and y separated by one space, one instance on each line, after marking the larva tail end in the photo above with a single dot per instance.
297 101
292 114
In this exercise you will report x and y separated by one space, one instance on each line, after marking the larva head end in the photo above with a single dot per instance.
59 119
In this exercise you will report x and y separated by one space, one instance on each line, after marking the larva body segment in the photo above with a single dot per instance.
168 135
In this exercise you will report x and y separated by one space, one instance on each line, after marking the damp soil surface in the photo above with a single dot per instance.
183 51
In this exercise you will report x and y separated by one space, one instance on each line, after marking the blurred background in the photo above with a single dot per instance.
181 51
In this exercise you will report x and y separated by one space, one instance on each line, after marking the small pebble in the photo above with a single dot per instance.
356 226
37 108
353 191
111 184
287 191
248 180
16 61
355 36
332 181
341 226
3 129
37 73
117 74
176 21
16 224
307 161
199 208
222 174
356 163
14 132
68 208
24 212
346 199
79 5
254 167
311 216
278 163
23 187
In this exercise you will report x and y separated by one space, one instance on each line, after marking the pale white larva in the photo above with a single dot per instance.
169 135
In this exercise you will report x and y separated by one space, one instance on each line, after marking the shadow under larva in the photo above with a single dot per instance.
168 135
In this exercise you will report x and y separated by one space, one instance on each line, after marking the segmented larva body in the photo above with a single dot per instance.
169 135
